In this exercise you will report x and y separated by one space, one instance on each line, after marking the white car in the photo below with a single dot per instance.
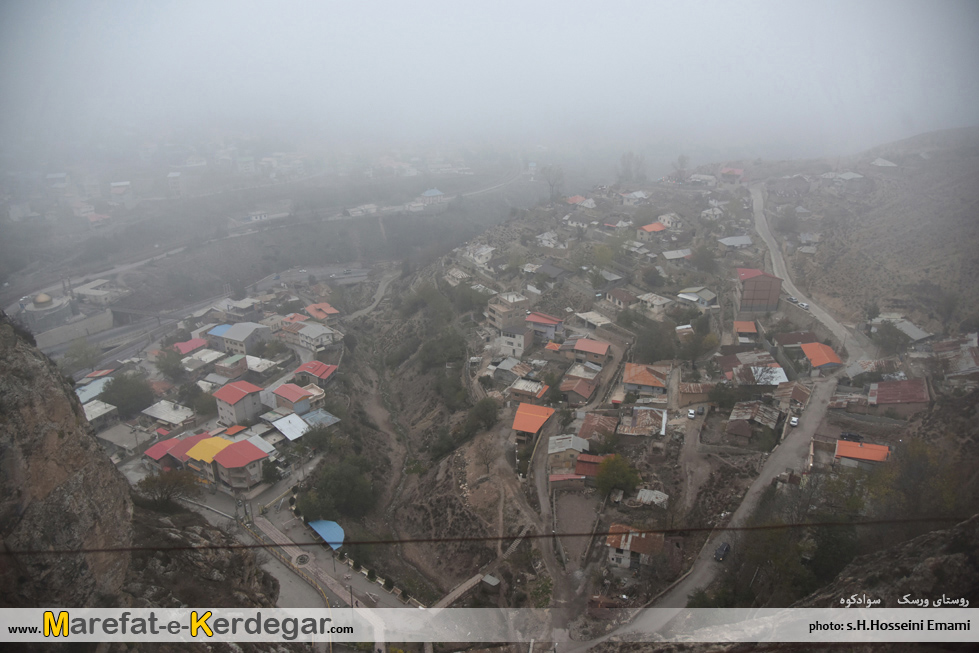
804 306
793 421
691 414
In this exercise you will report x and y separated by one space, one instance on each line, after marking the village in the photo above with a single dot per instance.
649 367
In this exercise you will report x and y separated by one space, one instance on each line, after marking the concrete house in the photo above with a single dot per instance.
238 402
645 379
563 451
314 372
503 308
515 340
629 548
529 420
545 327
241 338
293 397
621 298
586 350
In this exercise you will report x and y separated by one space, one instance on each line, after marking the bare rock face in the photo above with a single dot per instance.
58 490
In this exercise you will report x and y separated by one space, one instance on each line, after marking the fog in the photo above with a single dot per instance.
755 78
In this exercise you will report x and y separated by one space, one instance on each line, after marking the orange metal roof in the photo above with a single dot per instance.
746 326
530 418
295 317
656 226
641 375
321 311
591 346
292 392
861 451
621 536
543 318
232 430
820 354
553 346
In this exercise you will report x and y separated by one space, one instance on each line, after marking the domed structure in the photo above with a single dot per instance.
46 312
42 299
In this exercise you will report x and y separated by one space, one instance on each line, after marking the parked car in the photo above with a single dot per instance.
692 414
793 421
721 552
804 306
852 437
700 410
347 271
793 300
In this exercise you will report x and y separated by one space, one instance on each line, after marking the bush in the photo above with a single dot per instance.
405 596
388 584
356 565
371 575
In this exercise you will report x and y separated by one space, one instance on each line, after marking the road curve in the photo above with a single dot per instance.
780 269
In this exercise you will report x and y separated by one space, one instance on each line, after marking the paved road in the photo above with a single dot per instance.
854 351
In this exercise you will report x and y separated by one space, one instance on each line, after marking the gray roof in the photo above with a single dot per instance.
292 426
240 331
169 412
559 443
735 241
676 253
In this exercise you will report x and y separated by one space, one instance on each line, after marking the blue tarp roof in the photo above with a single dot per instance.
320 417
219 330
90 391
330 531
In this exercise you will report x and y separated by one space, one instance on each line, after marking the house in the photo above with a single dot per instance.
648 232
634 198
455 276
912 331
596 425
586 371
544 326
241 338
317 396
242 310
238 402
703 180
292 318
900 398
713 213
670 220
190 346
678 256
527 390
735 242
745 414
481 255
794 339
629 548
550 240
170 415
317 337
315 372
757 291
745 330
515 340
622 299
232 367
792 394
239 465
563 452
587 350
432 196
292 397
862 455
175 456
156 454
694 393
323 312
731 175
100 414
200 457
289 332
578 392
645 379
529 420
758 375
511 369
574 200
701 296
821 357
654 304
503 309
557 482
587 465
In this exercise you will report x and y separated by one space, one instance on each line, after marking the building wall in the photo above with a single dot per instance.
760 294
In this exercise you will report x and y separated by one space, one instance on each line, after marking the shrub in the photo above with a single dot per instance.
371 575
388 584
405 596
356 565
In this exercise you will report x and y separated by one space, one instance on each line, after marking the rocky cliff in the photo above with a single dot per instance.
58 490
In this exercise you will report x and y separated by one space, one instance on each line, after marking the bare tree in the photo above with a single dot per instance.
680 166
554 176
487 451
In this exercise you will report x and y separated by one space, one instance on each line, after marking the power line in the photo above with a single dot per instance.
489 538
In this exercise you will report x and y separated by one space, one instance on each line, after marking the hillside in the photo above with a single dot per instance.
906 236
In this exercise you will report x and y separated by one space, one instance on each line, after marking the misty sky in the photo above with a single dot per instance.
819 77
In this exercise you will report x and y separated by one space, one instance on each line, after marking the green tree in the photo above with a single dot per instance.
948 303
350 341
655 342
652 277
615 473
703 259
872 309
166 487
80 355
607 442
205 405
602 255
128 393
169 363
270 473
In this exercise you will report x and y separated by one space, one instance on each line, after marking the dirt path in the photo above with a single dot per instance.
696 469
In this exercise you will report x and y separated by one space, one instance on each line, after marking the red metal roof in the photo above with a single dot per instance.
621 536
552 346
292 318
190 346
580 387
554 478
656 226
587 464
232 393
321 311
591 346
239 454
233 430
750 273
292 392
642 375
747 326
160 449
317 368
